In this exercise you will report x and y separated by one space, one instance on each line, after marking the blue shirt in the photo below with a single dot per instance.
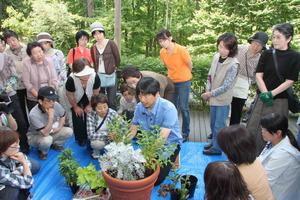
163 114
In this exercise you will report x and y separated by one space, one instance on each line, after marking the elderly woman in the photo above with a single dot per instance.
97 121
81 85
272 88
57 56
106 58
280 157
38 71
15 174
239 146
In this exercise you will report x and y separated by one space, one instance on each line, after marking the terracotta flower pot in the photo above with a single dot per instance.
137 190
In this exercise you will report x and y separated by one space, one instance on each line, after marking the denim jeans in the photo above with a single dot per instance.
181 101
218 117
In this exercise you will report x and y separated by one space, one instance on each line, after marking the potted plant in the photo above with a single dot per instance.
92 184
131 173
67 168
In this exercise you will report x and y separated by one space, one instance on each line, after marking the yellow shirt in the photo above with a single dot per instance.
257 181
177 63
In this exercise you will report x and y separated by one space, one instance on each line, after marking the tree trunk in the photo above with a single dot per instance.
118 24
90 8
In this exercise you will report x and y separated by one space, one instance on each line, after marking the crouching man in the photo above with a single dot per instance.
47 121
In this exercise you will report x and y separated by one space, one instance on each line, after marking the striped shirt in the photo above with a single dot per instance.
247 60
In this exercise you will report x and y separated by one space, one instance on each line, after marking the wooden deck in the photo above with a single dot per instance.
200 127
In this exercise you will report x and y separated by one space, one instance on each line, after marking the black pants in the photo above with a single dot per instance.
237 105
11 193
165 169
111 93
22 96
22 125
79 127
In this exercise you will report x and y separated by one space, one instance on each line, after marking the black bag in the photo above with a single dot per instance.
293 100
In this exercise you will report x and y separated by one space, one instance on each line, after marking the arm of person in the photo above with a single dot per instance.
187 59
282 87
21 180
116 53
165 132
260 82
53 75
47 129
26 79
133 130
12 122
228 81
61 123
72 100
275 167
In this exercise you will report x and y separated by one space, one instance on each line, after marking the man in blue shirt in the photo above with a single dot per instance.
156 111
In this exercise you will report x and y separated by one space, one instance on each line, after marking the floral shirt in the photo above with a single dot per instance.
11 173
8 75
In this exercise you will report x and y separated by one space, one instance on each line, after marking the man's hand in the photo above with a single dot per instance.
50 112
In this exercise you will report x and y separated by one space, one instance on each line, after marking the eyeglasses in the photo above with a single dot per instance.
14 147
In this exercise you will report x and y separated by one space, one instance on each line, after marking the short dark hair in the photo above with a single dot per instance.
124 88
9 33
80 34
273 122
224 181
238 144
7 138
131 71
285 29
31 46
164 34
230 42
79 65
98 31
100 98
147 85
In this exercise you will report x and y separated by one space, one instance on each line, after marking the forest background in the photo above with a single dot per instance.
195 24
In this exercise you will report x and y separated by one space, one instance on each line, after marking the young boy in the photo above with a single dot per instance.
127 102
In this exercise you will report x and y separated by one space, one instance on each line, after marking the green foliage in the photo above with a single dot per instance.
90 176
119 128
68 166
154 149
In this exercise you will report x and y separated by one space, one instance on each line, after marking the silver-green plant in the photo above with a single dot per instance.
123 162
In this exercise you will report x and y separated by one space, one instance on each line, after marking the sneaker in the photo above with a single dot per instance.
57 147
212 152
42 156
208 146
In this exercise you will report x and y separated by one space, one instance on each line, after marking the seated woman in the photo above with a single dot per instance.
127 102
97 121
240 147
280 157
223 180
15 174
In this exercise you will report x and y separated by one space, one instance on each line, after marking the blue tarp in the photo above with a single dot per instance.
49 184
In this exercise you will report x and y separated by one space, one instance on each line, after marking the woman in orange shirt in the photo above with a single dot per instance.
177 60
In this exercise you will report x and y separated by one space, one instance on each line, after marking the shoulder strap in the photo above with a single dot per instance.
276 65
102 122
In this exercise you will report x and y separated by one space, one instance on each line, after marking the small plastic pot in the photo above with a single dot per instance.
191 184
175 194
74 188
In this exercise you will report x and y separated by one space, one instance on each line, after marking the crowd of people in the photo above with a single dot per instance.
44 100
